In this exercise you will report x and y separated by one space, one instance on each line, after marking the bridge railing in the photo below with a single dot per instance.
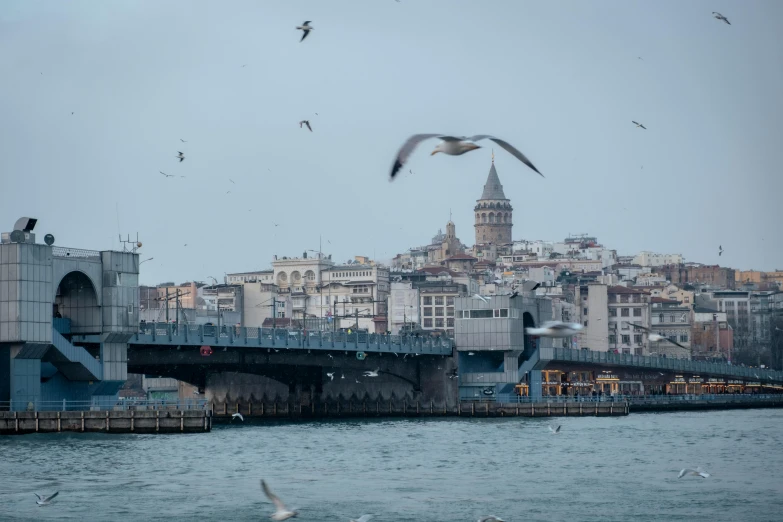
660 363
634 399
172 333
105 404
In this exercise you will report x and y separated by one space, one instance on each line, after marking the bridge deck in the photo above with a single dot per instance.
197 335
660 363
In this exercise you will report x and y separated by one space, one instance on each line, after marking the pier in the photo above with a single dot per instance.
143 417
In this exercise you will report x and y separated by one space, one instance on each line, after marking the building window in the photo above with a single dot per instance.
626 339
439 300
427 311
683 338
427 323
612 339
660 318
585 311
585 323
438 311
625 312
450 300
671 318
438 322
613 312
637 338
428 300
623 298
637 312
450 322
450 311
481 314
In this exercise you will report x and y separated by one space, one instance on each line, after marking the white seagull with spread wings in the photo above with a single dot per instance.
282 512
453 146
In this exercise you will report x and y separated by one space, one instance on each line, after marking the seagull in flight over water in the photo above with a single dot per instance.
453 146
282 512
43 501
306 122
306 27
638 124
554 430
698 472
180 156
372 374
237 415
330 375
167 175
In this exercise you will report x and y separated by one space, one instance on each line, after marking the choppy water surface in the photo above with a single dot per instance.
425 470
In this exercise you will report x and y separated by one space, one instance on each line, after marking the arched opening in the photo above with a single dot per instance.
483 218
310 276
491 205
76 299
491 217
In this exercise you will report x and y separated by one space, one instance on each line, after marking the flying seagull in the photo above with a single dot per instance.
42 500
306 27
237 415
554 430
372 374
167 175
655 338
720 249
513 294
490 518
480 297
638 124
698 472
363 518
282 513
306 122
453 146
232 181
180 156
183 141
719 16
330 375
555 329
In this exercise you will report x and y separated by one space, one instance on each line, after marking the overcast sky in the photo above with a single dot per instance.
560 80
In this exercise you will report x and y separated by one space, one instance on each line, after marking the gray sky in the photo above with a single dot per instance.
560 80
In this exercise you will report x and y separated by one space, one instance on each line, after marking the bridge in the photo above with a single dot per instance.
169 334
70 330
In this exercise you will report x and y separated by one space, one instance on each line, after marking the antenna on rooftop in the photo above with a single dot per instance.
133 244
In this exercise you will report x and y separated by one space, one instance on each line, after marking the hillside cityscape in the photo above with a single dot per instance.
694 310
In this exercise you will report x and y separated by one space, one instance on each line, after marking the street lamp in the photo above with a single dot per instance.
274 311
148 259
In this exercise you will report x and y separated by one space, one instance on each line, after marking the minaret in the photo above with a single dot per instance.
493 212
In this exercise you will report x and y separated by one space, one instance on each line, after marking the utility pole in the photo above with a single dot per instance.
167 305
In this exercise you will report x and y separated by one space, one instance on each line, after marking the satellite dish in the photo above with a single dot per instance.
49 239
17 236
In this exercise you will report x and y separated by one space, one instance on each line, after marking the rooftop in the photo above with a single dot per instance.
492 188
624 290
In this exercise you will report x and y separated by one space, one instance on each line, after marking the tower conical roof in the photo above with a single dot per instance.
492 188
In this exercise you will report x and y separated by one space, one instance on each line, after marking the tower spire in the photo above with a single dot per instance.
493 156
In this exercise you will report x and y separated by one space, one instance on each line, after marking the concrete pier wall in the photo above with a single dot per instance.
134 421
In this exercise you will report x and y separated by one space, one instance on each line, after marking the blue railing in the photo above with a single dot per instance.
174 334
